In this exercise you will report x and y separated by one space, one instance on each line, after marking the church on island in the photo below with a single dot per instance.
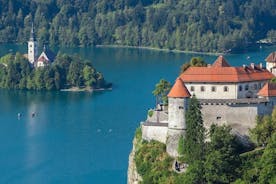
228 95
44 59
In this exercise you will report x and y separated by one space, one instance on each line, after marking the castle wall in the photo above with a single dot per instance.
157 133
241 117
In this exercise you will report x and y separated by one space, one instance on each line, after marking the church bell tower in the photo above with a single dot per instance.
32 47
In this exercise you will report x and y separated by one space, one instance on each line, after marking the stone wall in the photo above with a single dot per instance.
158 133
241 117
173 137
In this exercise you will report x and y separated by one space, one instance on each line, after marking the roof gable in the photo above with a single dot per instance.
271 58
221 71
269 89
179 90
220 62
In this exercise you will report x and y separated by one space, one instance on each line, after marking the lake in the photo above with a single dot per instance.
81 137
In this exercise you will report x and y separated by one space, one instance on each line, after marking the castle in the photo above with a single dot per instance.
45 58
228 95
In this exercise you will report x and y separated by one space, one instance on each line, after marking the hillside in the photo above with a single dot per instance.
201 25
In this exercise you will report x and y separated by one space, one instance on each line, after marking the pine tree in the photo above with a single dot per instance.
195 133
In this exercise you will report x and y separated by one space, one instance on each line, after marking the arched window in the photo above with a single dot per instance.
213 89
225 89
192 88
202 88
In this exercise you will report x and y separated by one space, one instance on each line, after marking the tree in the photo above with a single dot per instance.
195 132
265 127
222 158
195 61
268 162
161 90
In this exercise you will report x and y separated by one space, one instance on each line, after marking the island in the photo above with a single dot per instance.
49 72
216 124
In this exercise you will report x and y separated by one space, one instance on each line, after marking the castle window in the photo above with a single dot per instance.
225 89
246 87
213 89
180 107
218 117
202 88
192 88
255 86
240 88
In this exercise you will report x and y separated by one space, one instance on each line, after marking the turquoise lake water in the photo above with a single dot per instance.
83 137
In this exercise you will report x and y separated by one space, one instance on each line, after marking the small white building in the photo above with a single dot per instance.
45 58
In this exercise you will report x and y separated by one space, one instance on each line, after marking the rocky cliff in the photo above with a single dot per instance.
132 175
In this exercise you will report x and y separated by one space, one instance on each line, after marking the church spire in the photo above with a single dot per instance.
32 35
32 47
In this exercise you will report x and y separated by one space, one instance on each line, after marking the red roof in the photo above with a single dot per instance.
271 58
42 59
220 62
269 89
179 90
221 71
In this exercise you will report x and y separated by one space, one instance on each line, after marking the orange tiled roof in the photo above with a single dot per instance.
269 89
221 71
220 62
179 90
271 58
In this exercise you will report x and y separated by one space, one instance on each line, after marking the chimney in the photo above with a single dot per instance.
261 65
252 65
244 66
209 65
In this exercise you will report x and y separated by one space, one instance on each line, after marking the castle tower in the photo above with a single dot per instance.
271 62
32 47
178 104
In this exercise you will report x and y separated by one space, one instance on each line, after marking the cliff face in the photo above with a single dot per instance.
132 175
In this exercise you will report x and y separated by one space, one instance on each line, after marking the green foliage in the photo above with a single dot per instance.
184 25
195 132
268 162
222 158
161 90
65 72
150 113
266 126
195 61
273 80
181 149
153 163
138 134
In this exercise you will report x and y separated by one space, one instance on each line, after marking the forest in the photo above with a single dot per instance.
188 25
66 72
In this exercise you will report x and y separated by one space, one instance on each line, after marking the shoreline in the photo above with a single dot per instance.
158 49
76 89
